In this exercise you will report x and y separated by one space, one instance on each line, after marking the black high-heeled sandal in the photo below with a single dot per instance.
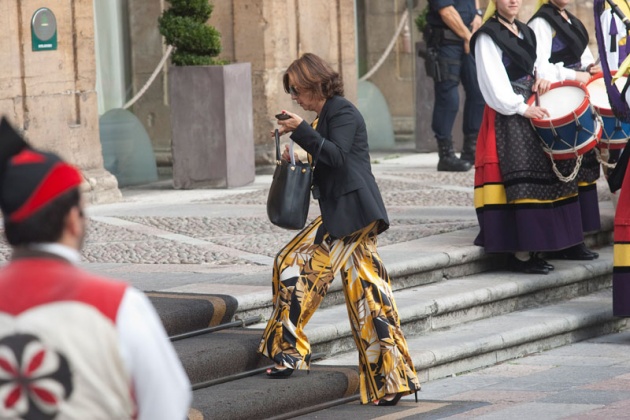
384 402
276 373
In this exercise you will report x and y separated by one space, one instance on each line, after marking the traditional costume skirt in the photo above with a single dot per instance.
521 204
621 259
587 189
303 271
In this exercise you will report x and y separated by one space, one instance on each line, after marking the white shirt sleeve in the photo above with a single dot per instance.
161 387
544 39
494 82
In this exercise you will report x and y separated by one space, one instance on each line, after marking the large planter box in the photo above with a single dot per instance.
212 126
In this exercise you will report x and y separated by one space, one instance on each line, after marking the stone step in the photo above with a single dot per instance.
259 397
420 262
184 312
422 310
452 302
486 342
439 353
220 354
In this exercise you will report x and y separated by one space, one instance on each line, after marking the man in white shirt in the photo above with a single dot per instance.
72 345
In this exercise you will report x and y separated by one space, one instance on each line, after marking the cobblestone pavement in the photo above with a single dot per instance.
236 222
219 227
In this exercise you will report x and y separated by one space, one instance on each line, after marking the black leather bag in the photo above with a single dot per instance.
289 195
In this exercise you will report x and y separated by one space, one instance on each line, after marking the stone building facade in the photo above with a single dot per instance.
51 95
269 34
351 34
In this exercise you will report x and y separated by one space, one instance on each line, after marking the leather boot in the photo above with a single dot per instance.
468 151
448 161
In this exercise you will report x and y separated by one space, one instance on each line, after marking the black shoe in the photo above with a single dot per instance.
453 164
577 252
466 157
542 262
384 403
468 151
276 373
531 266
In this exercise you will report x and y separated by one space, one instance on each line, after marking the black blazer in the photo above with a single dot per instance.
348 196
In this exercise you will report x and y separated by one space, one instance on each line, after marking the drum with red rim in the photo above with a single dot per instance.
572 128
615 132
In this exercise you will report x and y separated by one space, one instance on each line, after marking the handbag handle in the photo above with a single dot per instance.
276 134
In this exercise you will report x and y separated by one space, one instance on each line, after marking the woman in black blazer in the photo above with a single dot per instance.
343 239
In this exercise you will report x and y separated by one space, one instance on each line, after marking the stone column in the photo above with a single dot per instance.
49 95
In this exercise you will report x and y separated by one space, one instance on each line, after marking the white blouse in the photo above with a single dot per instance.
493 79
544 37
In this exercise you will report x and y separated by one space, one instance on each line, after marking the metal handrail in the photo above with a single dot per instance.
238 323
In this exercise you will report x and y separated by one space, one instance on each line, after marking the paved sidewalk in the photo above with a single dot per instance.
586 380
589 380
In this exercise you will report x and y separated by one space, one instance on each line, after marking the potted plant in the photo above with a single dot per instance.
211 102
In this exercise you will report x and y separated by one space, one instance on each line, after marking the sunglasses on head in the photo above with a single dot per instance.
293 91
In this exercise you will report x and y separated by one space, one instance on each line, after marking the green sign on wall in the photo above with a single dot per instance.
44 30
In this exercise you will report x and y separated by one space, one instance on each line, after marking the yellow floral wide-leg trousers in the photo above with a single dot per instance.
303 271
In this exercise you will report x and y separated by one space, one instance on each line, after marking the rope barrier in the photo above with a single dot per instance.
381 60
133 100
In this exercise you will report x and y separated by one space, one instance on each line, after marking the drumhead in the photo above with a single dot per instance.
561 101
597 91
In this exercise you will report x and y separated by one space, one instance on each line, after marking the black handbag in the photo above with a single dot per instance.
289 195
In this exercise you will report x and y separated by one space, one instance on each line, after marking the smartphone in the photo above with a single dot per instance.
283 116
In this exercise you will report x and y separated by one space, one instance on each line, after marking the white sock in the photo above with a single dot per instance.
522 255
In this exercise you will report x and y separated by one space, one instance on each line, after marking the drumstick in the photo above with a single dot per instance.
536 97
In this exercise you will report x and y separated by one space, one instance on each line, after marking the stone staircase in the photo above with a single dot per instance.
460 310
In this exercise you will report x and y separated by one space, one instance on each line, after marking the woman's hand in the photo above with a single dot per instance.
593 69
582 77
536 112
541 86
286 155
290 124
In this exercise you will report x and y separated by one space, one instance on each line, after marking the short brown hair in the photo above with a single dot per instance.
310 72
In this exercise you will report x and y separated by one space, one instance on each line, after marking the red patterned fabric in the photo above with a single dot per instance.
486 157
28 283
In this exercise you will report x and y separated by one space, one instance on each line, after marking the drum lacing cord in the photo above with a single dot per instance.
572 175
598 152
603 162
578 157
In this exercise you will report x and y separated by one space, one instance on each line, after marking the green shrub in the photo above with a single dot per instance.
184 27
421 19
